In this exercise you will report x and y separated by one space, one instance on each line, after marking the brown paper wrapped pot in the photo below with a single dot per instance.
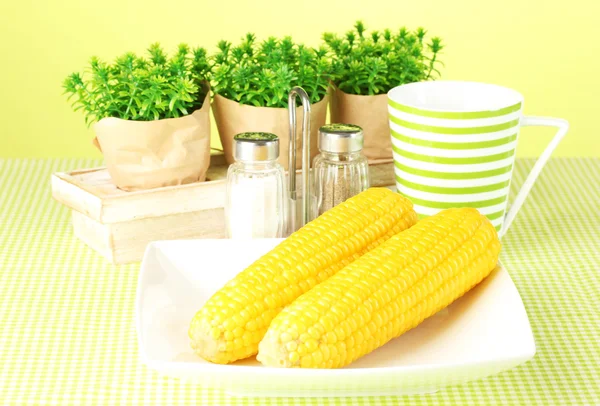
233 118
149 154
370 113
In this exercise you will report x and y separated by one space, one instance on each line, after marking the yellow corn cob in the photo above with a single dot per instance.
234 320
385 293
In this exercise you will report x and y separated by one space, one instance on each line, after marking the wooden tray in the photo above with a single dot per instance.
120 224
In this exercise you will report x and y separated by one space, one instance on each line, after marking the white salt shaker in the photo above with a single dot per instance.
256 193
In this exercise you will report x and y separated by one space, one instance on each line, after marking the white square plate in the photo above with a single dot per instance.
483 333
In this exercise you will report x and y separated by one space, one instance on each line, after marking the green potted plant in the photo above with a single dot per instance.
251 82
366 68
150 115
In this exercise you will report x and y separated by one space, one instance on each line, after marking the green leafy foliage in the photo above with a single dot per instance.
141 88
373 64
263 74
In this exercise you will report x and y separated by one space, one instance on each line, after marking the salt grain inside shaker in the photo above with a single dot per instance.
341 170
256 194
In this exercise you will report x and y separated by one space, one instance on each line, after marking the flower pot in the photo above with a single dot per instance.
149 154
233 118
369 112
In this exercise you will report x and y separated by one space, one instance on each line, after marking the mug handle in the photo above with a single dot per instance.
563 126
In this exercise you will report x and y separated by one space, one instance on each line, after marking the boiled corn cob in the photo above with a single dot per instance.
235 319
384 293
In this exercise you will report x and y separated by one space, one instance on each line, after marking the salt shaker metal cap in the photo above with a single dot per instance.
341 138
255 146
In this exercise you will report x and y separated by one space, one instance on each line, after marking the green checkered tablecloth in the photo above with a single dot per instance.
67 333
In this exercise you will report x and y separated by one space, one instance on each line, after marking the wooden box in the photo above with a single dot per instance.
120 224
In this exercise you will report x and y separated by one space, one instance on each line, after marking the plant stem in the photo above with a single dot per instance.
130 100
91 99
431 63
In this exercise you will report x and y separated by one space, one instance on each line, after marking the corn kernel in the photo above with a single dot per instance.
293 357
306 361
215 332
291 346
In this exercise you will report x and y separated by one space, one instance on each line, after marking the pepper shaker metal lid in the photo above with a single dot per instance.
341 138
256 146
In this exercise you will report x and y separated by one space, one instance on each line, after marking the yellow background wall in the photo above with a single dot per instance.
547 49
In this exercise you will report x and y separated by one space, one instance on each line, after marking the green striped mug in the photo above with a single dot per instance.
454 145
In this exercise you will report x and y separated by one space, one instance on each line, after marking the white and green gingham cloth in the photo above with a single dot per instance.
67 333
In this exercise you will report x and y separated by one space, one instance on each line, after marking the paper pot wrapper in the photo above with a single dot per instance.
150 154
370 113
233 118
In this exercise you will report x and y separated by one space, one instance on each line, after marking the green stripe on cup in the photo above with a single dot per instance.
490 217
448 205
453 190
494 216
454 145
454 161
455 130
452 175
455 115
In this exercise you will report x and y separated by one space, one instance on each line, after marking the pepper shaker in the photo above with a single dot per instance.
340 170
